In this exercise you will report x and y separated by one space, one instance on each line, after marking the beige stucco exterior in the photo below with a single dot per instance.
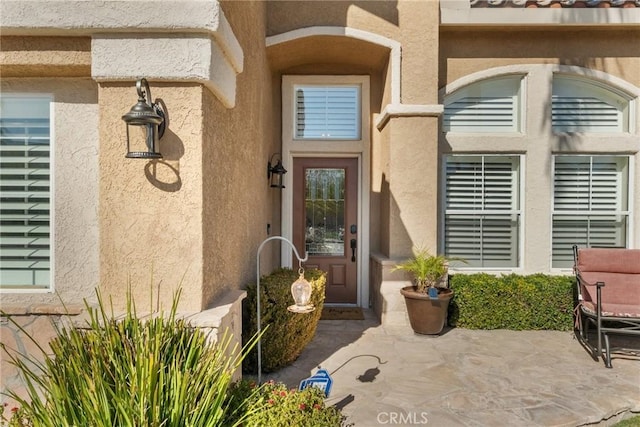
159 203
196 218
45 56
465 52
75 189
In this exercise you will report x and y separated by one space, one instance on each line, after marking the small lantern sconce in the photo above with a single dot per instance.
276 172
301 291
150 115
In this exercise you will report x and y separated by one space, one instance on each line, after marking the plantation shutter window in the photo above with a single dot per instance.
486 106
327 112
581 106
482 210
25 211
590 204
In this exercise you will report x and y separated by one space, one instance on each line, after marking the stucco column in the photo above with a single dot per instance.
151 211
413 185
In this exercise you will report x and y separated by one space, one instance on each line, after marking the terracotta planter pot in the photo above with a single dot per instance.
427 316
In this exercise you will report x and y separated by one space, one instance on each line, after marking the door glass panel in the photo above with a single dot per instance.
324 211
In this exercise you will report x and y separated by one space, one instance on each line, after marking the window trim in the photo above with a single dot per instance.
360 149
538 143
31 289
519 124
521 211
358 107
289 140
629 212
602 91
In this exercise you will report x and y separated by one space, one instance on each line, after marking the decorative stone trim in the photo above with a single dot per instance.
407 110
43 309
173 40
393 46
164 57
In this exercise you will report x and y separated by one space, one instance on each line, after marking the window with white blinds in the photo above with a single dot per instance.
482 210
327 112
590 204
25 191
486 106
578 105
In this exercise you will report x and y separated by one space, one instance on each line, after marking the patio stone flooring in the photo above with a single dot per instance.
387 375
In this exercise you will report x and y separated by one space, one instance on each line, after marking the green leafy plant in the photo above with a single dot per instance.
128 372
629 422
285 334
280 406
513 301
427 270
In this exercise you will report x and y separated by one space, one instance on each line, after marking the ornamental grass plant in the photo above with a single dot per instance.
426 269
129 372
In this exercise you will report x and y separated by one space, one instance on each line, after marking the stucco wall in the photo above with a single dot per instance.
45 56
236 147
160 222
616 52
151 211
413 179
398 221
411 23
75 193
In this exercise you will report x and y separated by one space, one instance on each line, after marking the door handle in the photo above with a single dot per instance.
354 245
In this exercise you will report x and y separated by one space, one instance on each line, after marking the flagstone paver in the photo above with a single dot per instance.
391 376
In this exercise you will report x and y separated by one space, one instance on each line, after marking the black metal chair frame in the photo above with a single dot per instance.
605 325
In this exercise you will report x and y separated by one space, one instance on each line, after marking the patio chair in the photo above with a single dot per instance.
608 286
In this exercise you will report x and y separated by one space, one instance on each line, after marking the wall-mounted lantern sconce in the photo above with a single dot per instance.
275 172
150 115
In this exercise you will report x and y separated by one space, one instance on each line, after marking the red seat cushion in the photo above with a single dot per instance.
618 288
619 270
614 310
610 260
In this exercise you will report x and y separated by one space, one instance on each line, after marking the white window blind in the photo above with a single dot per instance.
327 112
482 210
581 106
486 106
590 204
24 191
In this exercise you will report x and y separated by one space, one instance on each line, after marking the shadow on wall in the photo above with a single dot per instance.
389 209
329 12
164 174
606 52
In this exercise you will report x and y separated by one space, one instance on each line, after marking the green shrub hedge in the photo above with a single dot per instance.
517 302
287 333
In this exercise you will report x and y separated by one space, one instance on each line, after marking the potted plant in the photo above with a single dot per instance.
428 298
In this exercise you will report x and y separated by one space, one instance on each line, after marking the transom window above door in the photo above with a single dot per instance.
327 112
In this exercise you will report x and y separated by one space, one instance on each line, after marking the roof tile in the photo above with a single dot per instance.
534 4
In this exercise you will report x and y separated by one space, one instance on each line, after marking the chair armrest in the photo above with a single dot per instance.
599 285
584 282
